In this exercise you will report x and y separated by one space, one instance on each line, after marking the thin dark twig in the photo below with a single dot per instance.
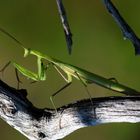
126 29
65 24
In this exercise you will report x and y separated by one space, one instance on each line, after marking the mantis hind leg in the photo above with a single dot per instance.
85 85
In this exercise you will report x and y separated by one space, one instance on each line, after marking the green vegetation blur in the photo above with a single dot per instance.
98 46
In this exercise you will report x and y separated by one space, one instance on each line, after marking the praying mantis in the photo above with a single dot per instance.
71 71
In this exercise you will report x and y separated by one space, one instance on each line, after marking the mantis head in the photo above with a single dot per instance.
26 52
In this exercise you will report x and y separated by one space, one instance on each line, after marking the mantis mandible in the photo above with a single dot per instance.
71 71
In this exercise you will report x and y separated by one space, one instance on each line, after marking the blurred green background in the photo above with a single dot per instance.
98 47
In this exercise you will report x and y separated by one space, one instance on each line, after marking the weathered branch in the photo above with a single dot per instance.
46 124
126 29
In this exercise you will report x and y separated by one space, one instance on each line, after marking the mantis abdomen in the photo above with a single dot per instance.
88 78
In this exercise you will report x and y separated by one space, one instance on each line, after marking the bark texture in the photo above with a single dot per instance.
46 124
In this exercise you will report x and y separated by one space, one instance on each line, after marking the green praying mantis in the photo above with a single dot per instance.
71 71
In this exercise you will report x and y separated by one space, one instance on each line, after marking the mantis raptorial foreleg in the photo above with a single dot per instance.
41 75
29 74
